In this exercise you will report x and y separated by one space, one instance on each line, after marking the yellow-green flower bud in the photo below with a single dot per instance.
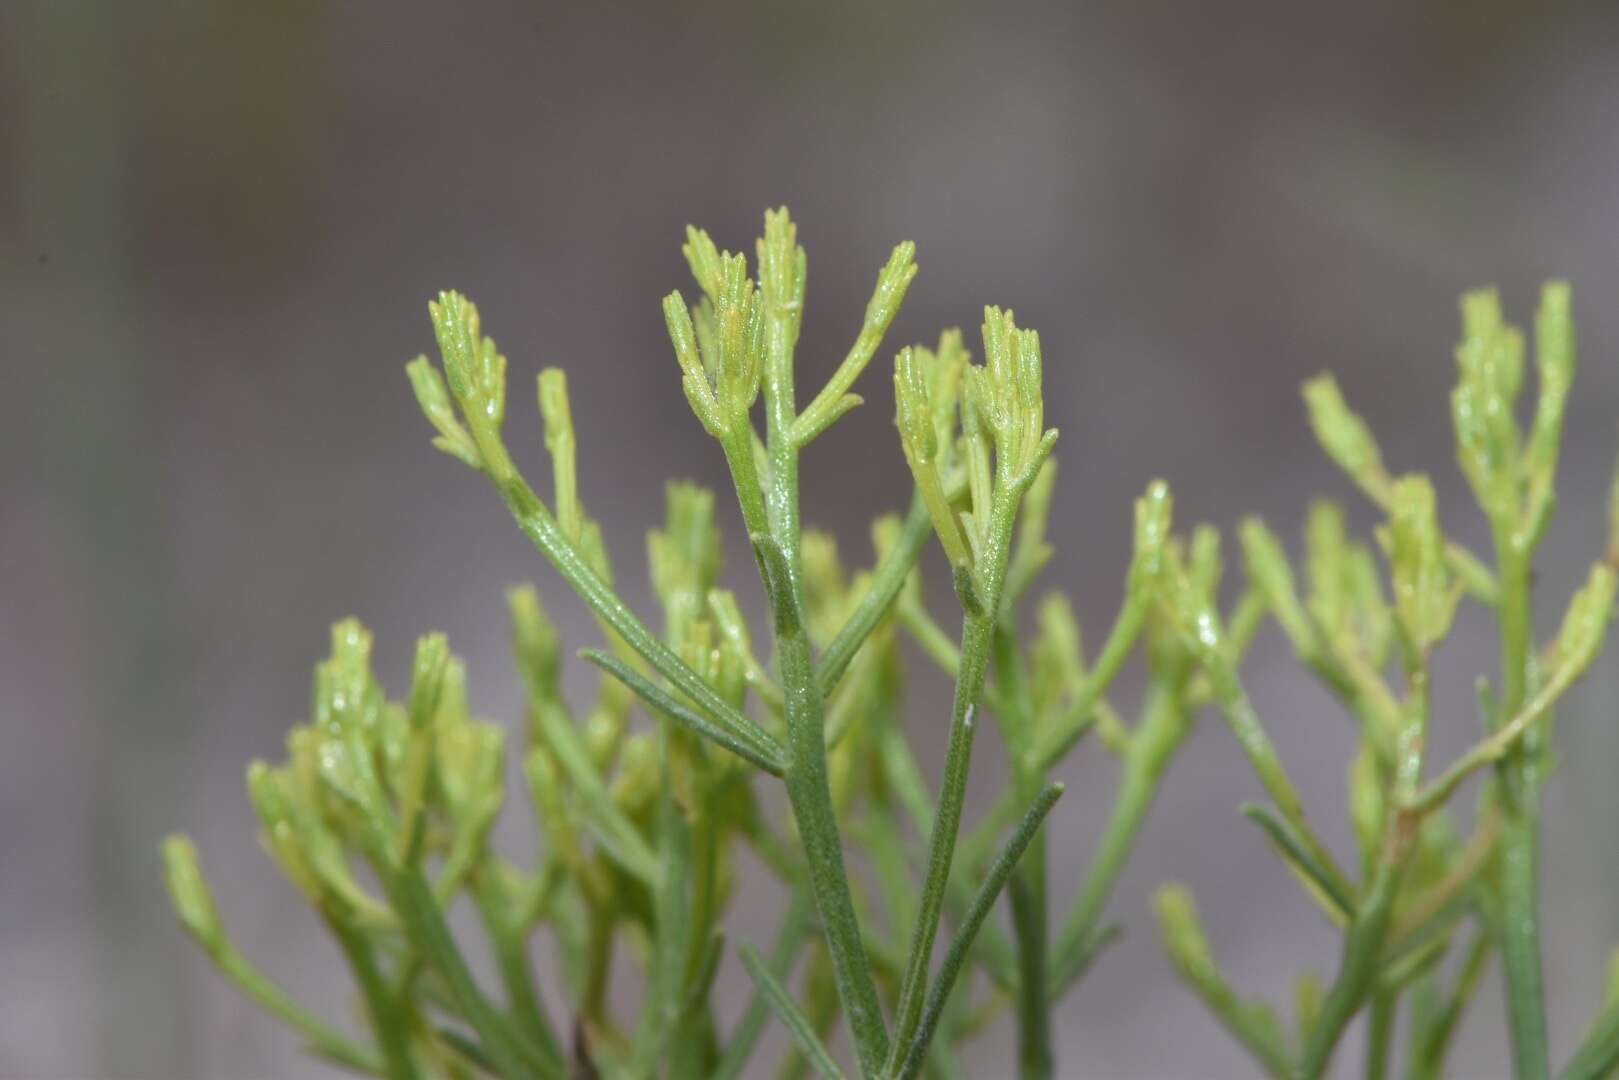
1345 437
1585 623
1272 575
562 445
188 889
1154 515
427 679
1424 596
917 374
434 398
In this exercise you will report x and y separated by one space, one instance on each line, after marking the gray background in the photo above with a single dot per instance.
219 224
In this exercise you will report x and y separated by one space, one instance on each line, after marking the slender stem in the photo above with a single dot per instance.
1163 728
1500 742
1115 651
946 654
1336 904
976 635
803 1031
744 465
381 1002
1036 1059
977 912
1380 1034
795 926
1357 974
1261 753
667 705
1365 943
1518 772
1401 971
424 923
1255 1028
810 793
600 921
808 787
977 638
1466 866
542 529
511 956
1520 943
1428 1057
1598 1055
329 1042
1028 887
1088 702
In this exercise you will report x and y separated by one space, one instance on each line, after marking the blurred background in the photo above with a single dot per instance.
219 225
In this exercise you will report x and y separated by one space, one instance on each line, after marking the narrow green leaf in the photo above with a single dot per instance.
562 445
915 1055
424 922
1321 884
791 1015
188 890
1253 1023
886 582
1345 437
1412 964
833 400
795 927
617 835
757 747
1272 575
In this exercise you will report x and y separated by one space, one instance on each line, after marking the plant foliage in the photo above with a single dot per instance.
381 813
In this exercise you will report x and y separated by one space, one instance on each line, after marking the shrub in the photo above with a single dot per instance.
381 814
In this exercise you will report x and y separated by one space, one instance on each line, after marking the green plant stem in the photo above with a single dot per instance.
803 1031
600 920
1428 1056
1411 965
424 923
1338 906
975 646
546 535
1048 748
977 637
1500 742
1251 1023
1368 934
665 704
1036 1058
381 1003
1520 942
1163 729
795 927
1598 1055
809 791
326 1041
983 901
1357 973
1080 714
808 787
1464 868
1261 753
1518 774
1380 1034
511 956
1028 886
